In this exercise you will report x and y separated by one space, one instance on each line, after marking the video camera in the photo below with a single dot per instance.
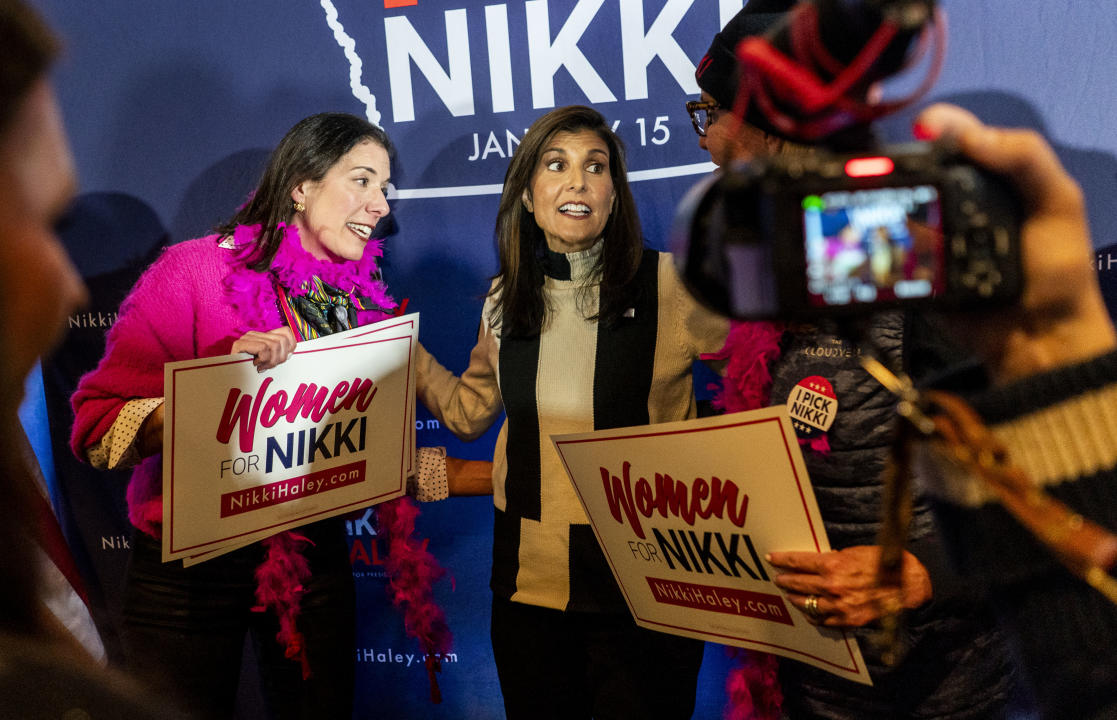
847 228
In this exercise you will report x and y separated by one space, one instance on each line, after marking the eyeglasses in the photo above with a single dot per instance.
700 111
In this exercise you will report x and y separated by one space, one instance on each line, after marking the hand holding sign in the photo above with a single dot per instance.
685 513
249 455
267 349
844 583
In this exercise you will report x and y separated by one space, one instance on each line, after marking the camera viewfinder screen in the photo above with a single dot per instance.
876 245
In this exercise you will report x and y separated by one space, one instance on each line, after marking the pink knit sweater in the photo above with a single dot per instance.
175 312
195 301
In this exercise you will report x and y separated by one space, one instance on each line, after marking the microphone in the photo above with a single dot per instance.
809 77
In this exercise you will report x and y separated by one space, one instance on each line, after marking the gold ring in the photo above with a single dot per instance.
811 607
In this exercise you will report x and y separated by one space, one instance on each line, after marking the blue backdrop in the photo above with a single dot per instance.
172 108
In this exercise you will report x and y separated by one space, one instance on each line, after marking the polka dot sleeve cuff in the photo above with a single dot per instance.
117 448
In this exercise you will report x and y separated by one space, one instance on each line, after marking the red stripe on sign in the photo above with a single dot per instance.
762 606
255 498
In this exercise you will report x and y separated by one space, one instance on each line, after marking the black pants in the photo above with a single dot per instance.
184 629
574 666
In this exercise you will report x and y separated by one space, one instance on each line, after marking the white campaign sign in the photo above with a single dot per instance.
685 513
247 455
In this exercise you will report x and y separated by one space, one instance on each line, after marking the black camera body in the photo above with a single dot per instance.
822 235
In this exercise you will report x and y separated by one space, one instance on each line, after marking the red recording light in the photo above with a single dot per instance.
869 167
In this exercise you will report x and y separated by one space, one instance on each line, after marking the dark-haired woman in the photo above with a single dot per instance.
583 329
298 261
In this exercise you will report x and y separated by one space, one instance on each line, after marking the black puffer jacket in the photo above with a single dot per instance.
954 664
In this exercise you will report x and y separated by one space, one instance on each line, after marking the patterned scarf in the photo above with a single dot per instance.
323 310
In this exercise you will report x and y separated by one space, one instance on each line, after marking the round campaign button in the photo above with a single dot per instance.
812 406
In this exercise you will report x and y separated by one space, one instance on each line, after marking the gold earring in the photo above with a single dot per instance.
299 207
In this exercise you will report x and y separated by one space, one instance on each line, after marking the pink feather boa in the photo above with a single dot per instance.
280 578
279 587
753 686
750 349
253 294
413 571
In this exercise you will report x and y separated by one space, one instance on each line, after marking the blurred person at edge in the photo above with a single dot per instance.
1052 387
44 671
583 328
297 261
953 663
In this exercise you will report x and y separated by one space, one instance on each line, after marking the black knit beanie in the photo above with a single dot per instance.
717 72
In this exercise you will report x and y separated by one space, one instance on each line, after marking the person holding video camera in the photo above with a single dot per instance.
1052 361
951 660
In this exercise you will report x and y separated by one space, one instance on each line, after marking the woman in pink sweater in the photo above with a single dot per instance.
297 261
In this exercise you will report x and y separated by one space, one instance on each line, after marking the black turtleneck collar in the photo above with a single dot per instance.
556 265
578 267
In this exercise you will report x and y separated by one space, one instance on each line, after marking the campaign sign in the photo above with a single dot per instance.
685 513
248 454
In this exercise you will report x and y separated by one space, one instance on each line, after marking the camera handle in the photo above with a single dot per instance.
1086 549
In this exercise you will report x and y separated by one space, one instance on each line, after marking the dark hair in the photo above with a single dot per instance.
522 309
306 152
27 48
716 73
